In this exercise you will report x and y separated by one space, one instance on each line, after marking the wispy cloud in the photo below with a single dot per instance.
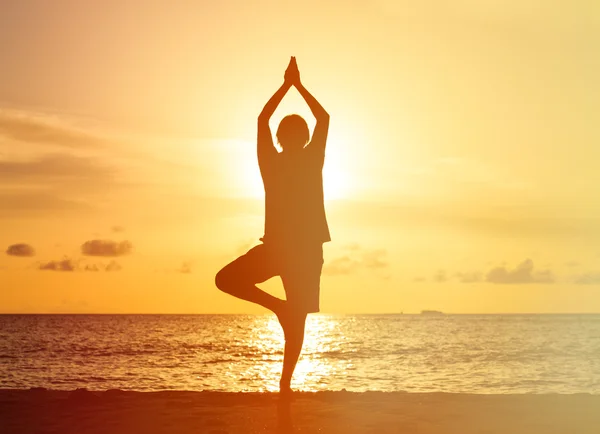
33 204
43 129
440 276
113 266
522 273
185 268
65 264
59 169
91 267
469 277
106 248
51 182
341 265
591 278
357 259
74 265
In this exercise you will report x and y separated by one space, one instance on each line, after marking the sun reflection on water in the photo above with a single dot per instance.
236 353
322 336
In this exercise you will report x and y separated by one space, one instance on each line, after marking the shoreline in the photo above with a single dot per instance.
299 393
116 411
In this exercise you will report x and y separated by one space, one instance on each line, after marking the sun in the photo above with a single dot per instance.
336 181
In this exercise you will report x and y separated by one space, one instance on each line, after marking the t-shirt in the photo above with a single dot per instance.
294 206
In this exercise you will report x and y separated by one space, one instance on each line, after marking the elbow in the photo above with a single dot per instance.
263 118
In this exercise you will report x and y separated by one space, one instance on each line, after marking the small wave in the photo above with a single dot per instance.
198 346
217 361
86 380
100 353
34 350
341 355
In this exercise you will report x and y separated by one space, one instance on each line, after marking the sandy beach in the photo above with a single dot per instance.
115 411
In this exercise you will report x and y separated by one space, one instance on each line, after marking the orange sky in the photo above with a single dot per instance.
461 169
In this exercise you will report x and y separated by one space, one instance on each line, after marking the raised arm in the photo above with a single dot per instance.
319 137
265 146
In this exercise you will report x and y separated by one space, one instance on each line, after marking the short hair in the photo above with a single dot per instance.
293 131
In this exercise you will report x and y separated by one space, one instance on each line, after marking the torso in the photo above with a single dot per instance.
294 204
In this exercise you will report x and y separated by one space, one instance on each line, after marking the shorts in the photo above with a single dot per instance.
299 268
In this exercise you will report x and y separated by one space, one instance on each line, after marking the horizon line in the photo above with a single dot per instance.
317 313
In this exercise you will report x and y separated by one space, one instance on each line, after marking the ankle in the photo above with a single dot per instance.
285 384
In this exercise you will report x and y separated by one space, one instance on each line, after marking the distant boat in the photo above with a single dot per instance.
431 312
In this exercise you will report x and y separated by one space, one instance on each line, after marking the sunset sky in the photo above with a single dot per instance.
462 169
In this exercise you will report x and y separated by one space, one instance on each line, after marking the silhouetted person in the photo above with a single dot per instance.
295 222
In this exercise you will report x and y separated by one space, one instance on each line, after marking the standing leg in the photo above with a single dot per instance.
301 275
293 329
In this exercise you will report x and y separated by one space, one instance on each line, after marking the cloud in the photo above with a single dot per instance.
41 129
57 169
20 249
32 204
117 228
357 259
482 220
106 248
374 259
420 279
588 279
186 268
113 266
523 273
440 276
50 183
469 277
65 264
340 266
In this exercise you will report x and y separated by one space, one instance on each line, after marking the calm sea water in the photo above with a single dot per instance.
413 353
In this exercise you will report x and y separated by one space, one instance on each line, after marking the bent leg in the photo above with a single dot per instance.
239 278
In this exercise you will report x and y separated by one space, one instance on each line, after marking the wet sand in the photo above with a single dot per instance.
118 412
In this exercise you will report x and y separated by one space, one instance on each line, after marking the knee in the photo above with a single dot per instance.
222 281
226 280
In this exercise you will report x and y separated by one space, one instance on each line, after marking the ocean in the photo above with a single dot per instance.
485 354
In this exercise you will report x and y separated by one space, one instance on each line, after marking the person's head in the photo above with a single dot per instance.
293 133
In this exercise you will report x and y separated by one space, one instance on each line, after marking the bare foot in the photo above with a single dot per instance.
286 393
